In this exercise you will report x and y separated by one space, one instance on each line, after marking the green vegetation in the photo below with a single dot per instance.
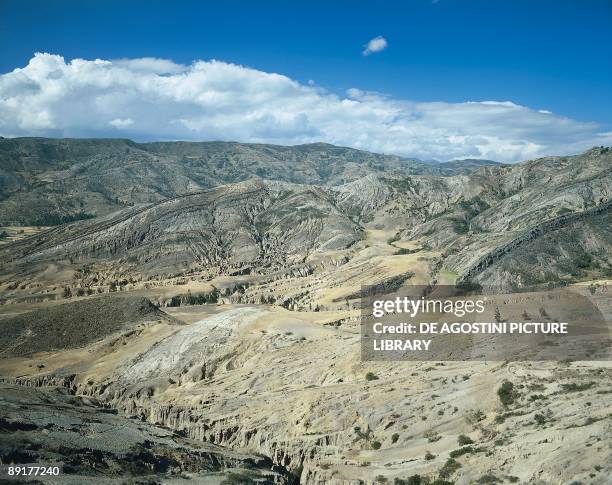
573 387
395 437
59 219
460 226
460 452
450 467
488 478
370 376
194 298
474 417
506 393
463 440
403 251
376 445
584 261
241 478
419 480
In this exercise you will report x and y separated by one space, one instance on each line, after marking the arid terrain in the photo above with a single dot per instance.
190 313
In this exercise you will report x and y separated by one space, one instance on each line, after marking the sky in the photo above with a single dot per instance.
428 79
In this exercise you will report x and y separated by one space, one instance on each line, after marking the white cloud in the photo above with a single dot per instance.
121 123
376 44
153 99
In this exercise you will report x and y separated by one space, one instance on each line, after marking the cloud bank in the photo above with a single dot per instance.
156 99
376 44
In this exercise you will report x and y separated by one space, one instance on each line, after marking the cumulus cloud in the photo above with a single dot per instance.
154 99
119 123
376 44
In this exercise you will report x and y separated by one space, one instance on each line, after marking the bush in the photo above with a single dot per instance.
370 376
506 393
463 440
394 438
450 467
573 387
540 419
376 445
461 451
413 480
488 478
429 456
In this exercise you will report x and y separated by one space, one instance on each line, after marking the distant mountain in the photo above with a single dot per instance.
508 226
465 166
53 181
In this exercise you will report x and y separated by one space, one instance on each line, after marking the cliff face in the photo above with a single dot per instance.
96 445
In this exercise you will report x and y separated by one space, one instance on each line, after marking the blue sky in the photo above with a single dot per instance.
543 55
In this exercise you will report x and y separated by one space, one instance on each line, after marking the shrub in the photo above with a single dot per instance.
394 438
243 478
432 436
488 478
460 451
506 393
474 417
573 387
376 445
450 467
429 456
370 376
413 480
540 419
463 440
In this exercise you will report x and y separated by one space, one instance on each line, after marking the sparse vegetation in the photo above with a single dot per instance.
370 376
575 387
488 478
506 393
463 440
449 468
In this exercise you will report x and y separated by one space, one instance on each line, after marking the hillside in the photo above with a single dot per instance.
46 182
552 213
202 320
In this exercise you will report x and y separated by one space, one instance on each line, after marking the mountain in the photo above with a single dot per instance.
465 166
202 321
544 221
48 182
